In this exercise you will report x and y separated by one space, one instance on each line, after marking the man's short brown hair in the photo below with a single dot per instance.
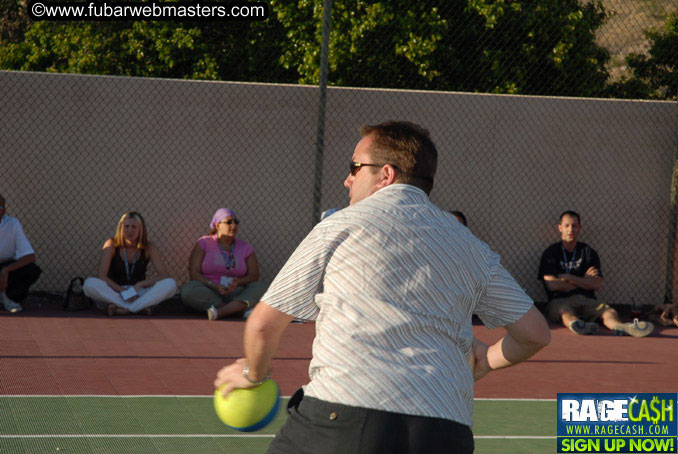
406 146
572 214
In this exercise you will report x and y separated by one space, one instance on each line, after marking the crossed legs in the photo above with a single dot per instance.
199 297
110 301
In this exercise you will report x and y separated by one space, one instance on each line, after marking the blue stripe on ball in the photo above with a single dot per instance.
264 422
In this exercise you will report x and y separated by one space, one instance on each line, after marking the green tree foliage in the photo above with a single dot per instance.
192 50
378 44
135 48
535 47
541 47
654 76
501 46
13 22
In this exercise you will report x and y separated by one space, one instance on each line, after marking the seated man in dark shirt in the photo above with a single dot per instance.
571 274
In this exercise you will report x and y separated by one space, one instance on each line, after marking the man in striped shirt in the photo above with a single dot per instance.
392 283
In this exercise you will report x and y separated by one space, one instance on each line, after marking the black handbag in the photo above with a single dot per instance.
75 299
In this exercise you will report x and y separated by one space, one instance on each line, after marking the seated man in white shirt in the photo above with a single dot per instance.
18 270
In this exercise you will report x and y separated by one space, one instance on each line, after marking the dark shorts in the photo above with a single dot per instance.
318 427
19 281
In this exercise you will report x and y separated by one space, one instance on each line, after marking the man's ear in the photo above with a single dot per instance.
387 176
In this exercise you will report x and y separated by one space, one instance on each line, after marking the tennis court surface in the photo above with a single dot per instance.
86 383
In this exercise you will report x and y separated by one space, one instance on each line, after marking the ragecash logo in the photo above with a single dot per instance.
616 422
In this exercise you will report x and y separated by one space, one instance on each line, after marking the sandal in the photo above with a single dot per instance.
112 310
662 315
665 318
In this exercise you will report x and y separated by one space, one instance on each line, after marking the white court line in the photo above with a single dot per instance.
484 437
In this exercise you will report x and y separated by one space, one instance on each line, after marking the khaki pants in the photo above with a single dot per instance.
585 308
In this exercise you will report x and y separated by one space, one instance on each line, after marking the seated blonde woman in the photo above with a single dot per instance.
120 286
224 271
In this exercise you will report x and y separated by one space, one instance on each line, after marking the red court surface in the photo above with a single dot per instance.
47 351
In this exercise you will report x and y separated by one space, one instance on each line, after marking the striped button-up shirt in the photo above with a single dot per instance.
392 283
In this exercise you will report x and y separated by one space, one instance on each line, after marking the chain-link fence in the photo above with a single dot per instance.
81 150
78 151
513 164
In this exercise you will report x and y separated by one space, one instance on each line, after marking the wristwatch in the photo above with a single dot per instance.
246 374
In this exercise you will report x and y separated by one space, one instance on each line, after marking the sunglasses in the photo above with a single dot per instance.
231 221
356 166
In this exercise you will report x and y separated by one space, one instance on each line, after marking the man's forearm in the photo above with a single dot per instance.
260 347
263 331
20 263
507 352
524 338
584 282
556 284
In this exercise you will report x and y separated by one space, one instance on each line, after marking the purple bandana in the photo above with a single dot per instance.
221 214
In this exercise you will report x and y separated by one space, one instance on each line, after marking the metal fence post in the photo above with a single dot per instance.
673 213
320 136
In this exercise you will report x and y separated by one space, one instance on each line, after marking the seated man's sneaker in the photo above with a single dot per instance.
583 328
636 329
10 305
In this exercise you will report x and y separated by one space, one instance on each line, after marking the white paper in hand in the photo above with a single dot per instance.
128 294
226 281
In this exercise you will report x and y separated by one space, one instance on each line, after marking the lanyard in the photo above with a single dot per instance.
127 271
229 259
569 265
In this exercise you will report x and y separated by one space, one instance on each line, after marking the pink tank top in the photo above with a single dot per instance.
214 265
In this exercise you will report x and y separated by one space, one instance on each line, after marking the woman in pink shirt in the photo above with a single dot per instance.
223 271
